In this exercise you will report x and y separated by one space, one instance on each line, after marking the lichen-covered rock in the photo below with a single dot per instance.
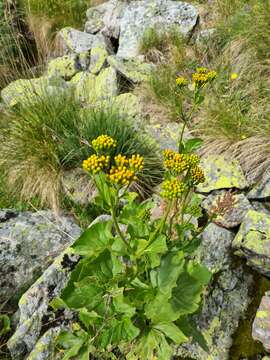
262 189
44 348
91 89
261 324
167 135
106 17
78 187
65 67
33 305
99 55
235 215
24 90
28 244
253 241
226 300
140 15
128 104
133 70
75 41
221 173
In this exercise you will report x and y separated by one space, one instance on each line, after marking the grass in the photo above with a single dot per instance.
38 142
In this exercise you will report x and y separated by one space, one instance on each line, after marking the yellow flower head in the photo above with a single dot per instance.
203 76
181 81
193 160
122 175
96 163
234 76
172 189
136 162
197 175
176 163
103 142
121 160
211 75
201 70
168 154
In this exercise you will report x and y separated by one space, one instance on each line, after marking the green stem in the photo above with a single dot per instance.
118 230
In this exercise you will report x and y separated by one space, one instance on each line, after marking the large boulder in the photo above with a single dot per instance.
65 67
262 189
91 89
221 173
28 244
75 41
226 300
261 324
252 241
140 15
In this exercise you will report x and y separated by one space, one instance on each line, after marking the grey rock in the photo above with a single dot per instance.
252 241
78 186
261 323
226 300
140 15
232 217
262 189
261 206
133 70
44 348
75 41
28 244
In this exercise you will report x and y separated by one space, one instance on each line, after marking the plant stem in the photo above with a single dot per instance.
118 230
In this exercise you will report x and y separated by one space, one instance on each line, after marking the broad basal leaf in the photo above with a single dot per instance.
170 268
171 331
94 240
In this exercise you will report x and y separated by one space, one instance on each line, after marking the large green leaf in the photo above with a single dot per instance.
94 240
171 331
170 268
121 304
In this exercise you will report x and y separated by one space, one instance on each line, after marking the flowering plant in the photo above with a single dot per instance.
136 283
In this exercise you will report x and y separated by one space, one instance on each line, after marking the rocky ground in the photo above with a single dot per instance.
35 257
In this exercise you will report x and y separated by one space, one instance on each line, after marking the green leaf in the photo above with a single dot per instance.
88 318
193 145
171 331
67 339
171 267
73 351
94 240
58 303
121 304
4 324
189 330
85 294
159 246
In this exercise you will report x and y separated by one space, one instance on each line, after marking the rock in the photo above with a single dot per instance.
78 187
262 188
28 244
34 308
253 241
128 104
263 207
140 15
98 59
24 90
65 67
261 324
226 300
233 217
75 41
221 173
167 135
105 17
91 89
133 70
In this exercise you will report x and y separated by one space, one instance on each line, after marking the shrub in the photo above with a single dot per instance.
40 140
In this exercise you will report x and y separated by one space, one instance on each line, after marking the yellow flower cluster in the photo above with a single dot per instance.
96 163
136 162
121 160
168 154
177 164
103 142
172 189
197 175
181 81
122 175
193 160
203 76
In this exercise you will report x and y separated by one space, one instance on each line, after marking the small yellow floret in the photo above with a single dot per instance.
181 81
176 163
136 162
172 189
121 160
122 175
103 142
234 76
193 160
197 175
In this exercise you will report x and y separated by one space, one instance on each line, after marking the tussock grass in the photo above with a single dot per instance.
39 141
